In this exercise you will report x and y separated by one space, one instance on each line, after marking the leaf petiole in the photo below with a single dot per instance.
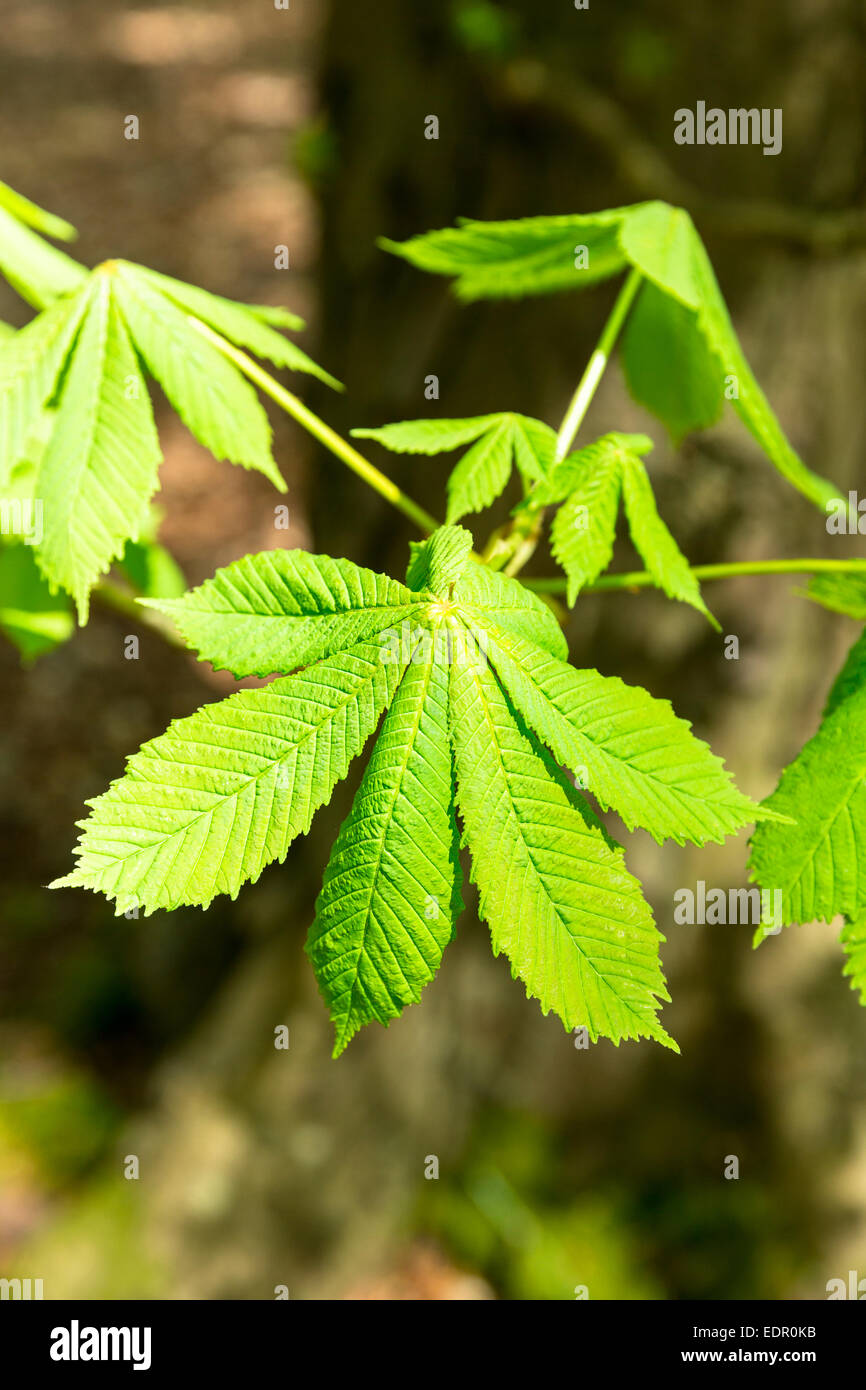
588 384
510 548
318 429
642 579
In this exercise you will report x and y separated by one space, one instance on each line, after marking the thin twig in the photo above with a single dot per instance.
642 579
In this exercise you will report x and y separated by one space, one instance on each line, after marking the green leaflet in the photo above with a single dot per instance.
485 596
654 542
484 470
534 255
100 466
750 403
557 897
583 530
273 314
203 808
853 940
206 806
240 323
48 223
670 369
624 746
36 270
428 436
814 863
30 363
227 316
481 475
151 570
283 609
851 678
214 401
534 445
22 484
438 563
571 472
818 862
681 360
841 593
33 618
391 890
584 527
659 241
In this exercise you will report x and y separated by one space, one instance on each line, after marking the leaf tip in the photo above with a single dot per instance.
67 881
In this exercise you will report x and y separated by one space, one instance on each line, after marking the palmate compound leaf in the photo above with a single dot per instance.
83 355
592 480
681 354
206 806
501 440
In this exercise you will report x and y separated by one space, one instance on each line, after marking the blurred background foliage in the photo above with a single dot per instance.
559 1168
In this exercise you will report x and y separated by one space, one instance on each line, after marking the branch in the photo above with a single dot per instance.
651 175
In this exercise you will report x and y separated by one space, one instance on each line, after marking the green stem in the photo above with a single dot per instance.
124 601
525 544
319 430
588 383
642 579
510 547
